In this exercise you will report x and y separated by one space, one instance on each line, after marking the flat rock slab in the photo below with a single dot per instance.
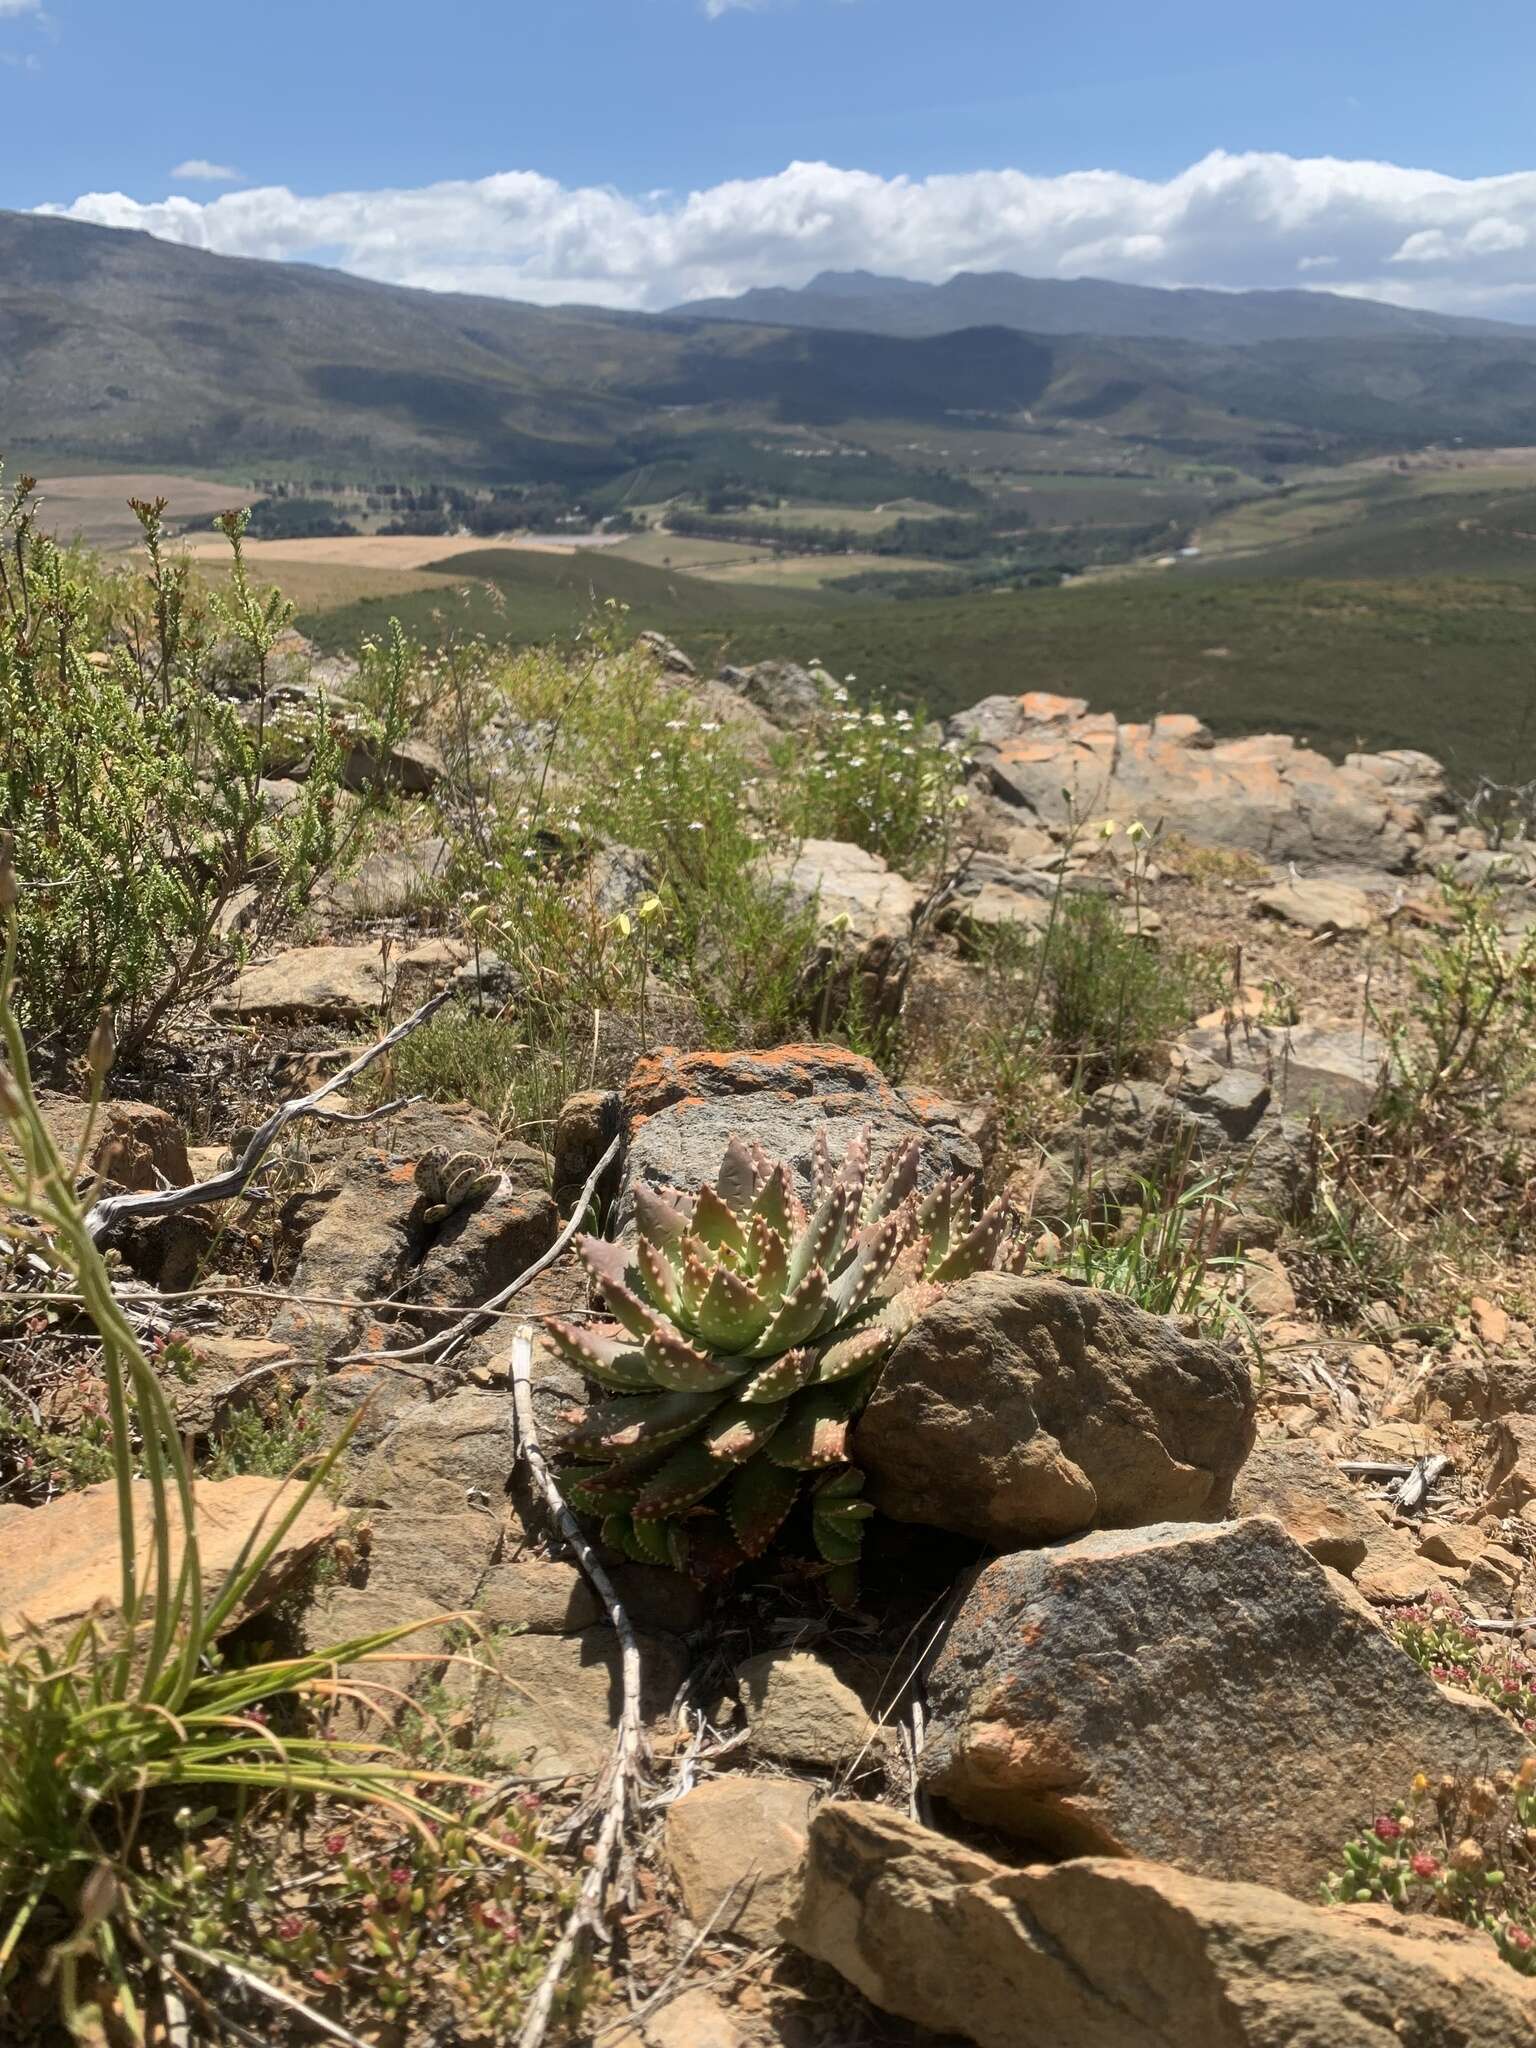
1266 795
1321 906
800 1712
736 1843
1209 1697
551 1703
341 983
1019 1409
60 1562
1120 1953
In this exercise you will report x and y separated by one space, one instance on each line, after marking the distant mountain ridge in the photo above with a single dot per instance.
1080 305
129 352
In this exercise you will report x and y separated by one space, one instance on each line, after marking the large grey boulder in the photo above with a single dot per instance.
1020 1409
1119 1953
863 913
680 1110
1265 795
1210 1697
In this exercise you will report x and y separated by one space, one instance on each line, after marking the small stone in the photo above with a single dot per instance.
1490 1322
738 1839
1267 1288
799 1710
1296 1484
1454 1543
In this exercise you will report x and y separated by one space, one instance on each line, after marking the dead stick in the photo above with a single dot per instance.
620 1778
224 1187
449 1339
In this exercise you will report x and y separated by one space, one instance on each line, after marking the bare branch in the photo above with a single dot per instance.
224 1186
619 1783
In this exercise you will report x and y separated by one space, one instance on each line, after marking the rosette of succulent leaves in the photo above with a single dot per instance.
747 1331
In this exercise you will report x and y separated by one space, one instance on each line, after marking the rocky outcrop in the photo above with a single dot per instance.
1020 1409
1268 795
1209 1697
1121 1953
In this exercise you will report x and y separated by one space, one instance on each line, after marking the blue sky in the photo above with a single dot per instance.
644 102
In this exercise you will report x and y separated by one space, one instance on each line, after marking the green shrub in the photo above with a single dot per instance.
874 775
1108 999
132 788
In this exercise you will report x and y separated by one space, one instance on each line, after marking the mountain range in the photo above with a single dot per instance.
861 300
121 351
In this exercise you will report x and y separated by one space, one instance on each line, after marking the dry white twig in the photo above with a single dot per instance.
222 1187
437 1348
250 1981
619 1782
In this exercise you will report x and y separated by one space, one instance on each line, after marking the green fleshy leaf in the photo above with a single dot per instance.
842 1584
661 1216
854 1353
780 1376
800 1315
760 1499
900 1180
820 1242
975 1251
878 1247
716 1224
603 1352
686 1477
600 1489
736 1183
815 1432
684 1367
663 1281
739 1430
768 1255
835 1543
775 1202
732 1314
637 1422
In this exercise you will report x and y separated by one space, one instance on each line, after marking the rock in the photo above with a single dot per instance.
693 2019
440 1457
1121 1953
1452 1543
1020 1409
1305 1067
1209 1697
546 1597
360 1249
670 656
1512 1469
1449 1389
342 983
682 1109
133 1144
1266 795
783 691
219 1364
617 879
864 913
800 1712
412 766
393 884
1321 906
1394 1575
478 1249
1267 1288
992 908
61 1562
548 1705
416 1567
587 1126
740 1839
1490 1322
1312 1501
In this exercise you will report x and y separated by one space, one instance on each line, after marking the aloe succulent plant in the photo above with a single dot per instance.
746 1332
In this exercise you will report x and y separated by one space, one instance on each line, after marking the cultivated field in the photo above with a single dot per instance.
94 509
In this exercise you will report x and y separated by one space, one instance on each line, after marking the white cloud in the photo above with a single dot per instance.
207 173
1377 229
715 8
12 7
